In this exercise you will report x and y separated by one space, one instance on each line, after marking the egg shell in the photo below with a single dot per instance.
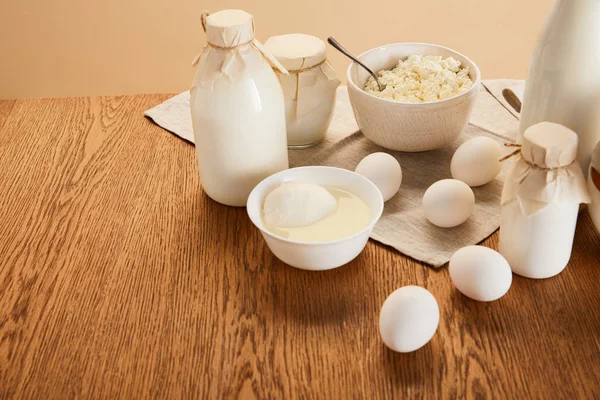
477 161
384 171
448 203
408 319
480 273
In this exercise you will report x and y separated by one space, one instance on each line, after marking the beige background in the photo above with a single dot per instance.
84 47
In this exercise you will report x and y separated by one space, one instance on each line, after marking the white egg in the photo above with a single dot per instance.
295 205
448 203
480 273
384 171
408 319
477 161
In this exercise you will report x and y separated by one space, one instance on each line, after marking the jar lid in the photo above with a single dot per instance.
229 28
596 158
549 145
297 51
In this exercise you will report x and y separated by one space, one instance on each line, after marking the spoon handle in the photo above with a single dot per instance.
345 52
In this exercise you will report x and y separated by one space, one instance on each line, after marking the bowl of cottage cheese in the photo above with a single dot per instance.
430 92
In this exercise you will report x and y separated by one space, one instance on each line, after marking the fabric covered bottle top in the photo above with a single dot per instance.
231 49
545 171
297 51
229 28
549 145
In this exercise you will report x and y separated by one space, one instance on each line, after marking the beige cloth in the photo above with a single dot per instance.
403 225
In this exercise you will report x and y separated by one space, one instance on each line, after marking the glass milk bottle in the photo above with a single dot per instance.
540 202
309 88
238 111
563 84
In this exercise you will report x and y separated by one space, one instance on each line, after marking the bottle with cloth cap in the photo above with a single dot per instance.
237 108
540 202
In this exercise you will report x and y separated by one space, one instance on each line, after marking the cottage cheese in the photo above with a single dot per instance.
420 79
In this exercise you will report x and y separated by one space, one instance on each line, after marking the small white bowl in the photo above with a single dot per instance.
403 126
317 256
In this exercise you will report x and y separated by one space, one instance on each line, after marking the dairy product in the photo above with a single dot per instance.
237 109
294 205
420 79
351 216
540 202
308 89
563 83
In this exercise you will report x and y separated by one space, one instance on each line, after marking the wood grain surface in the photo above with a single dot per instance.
119 278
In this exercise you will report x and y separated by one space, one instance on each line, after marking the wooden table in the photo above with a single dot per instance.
119 278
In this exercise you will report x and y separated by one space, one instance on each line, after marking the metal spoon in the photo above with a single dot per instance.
345 52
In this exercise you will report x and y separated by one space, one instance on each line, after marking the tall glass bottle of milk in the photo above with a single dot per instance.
540 202
563 85
238 109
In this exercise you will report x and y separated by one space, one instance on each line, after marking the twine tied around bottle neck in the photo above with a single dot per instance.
302 69
298 71
518 151
514 153
203 17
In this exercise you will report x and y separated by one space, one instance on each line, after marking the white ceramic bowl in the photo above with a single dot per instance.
409 127
317 256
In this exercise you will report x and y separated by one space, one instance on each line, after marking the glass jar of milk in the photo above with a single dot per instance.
540 202
309 88
238 111
563 84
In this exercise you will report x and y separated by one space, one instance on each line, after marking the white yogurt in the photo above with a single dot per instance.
350 216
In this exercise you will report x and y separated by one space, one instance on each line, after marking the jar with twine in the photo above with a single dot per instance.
237 109
309 88
540 201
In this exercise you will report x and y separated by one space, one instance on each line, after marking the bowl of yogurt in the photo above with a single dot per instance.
430 92
315 218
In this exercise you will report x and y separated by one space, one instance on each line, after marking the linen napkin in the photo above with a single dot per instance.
403 225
